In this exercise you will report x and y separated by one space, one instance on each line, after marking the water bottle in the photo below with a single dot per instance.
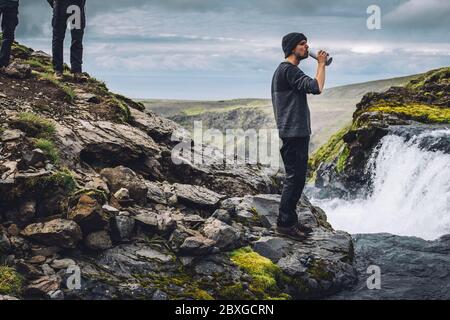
313 54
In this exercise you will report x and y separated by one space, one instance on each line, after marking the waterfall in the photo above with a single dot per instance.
411 189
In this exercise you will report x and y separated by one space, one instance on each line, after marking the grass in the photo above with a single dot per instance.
35 125
70 94
49 149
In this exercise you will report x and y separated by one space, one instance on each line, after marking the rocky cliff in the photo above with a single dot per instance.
340 167
92 206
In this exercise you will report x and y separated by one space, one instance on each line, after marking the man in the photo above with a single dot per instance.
289 89
62 12
9 11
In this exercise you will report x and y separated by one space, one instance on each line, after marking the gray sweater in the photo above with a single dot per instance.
290 104
9 3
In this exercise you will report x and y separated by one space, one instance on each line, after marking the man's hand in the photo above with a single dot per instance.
322 58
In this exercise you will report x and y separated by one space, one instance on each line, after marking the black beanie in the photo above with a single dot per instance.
290 41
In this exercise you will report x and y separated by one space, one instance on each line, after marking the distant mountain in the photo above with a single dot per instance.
329 111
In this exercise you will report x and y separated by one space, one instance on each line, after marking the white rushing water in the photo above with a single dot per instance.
411 194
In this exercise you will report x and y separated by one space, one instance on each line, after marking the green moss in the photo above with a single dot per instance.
120 108
178 286
342 159
49 149
34 125
419 112
40 64
329 151
435 76
10 281
63 180
265 274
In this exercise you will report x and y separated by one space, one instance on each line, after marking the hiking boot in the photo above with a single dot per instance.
292 232
59 76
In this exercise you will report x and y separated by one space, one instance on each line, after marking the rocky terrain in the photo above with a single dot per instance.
92 206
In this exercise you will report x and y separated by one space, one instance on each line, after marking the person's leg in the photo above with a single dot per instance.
10 21
295 157
76 48
59 24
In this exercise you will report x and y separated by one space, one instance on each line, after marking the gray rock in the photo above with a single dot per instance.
153 254
271 247
197 196
226 237
160 295
197 245
123 227
155 193
162 222
62 263
11 135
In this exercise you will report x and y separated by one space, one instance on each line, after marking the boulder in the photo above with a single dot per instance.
197 196
122 227
18 71
162 222
59 232
225 236
197 245
89 215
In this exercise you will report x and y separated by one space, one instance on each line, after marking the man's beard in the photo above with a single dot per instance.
300 57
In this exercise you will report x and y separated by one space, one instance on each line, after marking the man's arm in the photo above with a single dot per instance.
301 82
321 64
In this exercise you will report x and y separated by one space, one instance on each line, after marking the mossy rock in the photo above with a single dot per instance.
10 281
266 276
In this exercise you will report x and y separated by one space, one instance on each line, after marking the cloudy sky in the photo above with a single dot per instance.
221 49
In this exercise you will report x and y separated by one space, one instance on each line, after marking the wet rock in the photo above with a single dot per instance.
160 295
58 232
98 241
225 236
122 177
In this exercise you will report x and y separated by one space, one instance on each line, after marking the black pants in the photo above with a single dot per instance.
10 20
59 23
295 157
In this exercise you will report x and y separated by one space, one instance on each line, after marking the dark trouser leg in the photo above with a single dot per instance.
59 24
9 23
76 48
295 158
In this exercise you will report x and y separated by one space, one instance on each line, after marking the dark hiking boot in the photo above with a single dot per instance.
59 76
292 232
80 77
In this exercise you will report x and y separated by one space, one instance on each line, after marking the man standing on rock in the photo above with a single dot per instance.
289 89
72 12
9 10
